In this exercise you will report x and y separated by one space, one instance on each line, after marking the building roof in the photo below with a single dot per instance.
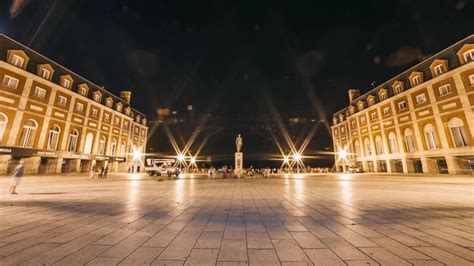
449 54
36 59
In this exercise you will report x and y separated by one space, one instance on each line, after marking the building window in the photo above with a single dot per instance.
409 140
88 143
72 144
66 83
378 145
18 61
445 89
357 148
53 138
458 133
383 95
386 111
469 56
122 149
83 91
398 89
368 151
119 107
62 101
44 73
430 137
116 121
109 102
125 124
416 80
362 119
10 82
40 92
79 107
371 101
336 132
439 69
420 98
471 80
113 147
94 112
3 125
28 134
106 117
402 105
97 97
373 116
392 141
353 123
101 150
360 106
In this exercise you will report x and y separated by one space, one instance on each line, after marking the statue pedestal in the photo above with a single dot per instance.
239 164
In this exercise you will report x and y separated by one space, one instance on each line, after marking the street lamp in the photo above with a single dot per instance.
137 154
193 160
181 157
297 157
343 156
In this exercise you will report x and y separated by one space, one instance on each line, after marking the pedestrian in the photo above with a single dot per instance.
209 173
16 177
106 171
92 170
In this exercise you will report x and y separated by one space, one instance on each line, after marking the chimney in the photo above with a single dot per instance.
353 94
126 96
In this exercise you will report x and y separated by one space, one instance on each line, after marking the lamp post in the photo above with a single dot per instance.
343 156
297 158
136 155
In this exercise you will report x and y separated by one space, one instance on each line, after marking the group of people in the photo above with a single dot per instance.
99 172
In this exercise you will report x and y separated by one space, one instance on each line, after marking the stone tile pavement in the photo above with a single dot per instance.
320 220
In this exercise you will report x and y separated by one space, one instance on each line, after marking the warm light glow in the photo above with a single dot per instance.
286 159
193 160
297 157
137 154
343 154
181 157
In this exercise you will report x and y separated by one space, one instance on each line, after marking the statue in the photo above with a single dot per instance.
239 142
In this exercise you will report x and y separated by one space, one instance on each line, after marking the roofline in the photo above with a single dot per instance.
100 87
411 69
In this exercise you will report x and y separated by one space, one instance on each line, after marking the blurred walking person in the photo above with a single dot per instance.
16 177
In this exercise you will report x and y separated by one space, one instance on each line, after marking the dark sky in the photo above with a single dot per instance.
233 59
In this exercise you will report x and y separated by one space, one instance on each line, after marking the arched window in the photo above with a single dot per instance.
53 137
378 145
3 124
430 136
101 150
357 148
409 140
28 134
113 147
368 151
72 144
122 149
458 133
392 141
88 143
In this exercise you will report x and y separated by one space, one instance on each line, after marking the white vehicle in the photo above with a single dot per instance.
161 168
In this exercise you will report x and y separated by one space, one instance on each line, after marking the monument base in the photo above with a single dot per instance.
239 164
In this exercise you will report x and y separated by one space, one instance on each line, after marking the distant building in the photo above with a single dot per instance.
57 121
421 121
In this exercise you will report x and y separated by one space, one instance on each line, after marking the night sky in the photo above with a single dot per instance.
233 60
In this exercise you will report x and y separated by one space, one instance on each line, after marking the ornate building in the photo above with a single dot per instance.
421 121
57 121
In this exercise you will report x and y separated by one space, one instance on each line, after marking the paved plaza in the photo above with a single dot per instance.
320 219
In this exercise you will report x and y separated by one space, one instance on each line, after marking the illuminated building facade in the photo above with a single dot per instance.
421 121
57 121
